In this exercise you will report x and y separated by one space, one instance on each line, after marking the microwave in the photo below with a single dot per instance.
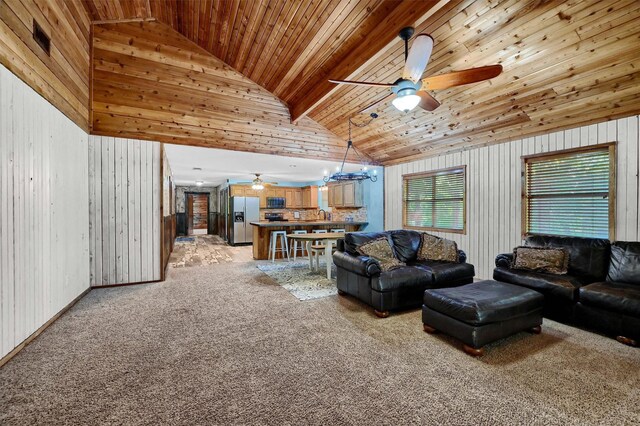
276 202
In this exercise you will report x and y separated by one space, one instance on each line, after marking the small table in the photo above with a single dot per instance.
328 239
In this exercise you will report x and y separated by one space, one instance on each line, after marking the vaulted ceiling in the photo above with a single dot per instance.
566 63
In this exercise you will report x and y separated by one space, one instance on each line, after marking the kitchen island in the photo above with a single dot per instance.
262 231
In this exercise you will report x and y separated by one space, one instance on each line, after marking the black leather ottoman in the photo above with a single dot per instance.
482 312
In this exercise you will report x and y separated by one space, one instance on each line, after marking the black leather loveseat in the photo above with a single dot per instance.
601 289
400 288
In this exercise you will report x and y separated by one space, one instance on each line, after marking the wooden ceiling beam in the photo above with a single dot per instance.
372 44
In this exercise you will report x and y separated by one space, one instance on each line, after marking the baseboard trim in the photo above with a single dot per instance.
44 326
125 284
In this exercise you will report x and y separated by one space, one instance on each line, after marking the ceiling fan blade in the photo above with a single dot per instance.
427 102
379 101
459 78
418 58
362 83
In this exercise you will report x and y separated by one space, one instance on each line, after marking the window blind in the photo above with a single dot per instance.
435 200
569 194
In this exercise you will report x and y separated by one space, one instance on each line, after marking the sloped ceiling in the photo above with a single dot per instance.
150 82
567 63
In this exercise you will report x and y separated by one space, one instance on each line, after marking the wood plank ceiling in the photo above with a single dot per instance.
150 82
567 63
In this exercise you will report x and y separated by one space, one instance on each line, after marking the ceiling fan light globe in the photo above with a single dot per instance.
406 103
257 186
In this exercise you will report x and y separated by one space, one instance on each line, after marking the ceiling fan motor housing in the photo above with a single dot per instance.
404 87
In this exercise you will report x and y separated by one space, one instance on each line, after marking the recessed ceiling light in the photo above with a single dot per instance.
197 168
199 183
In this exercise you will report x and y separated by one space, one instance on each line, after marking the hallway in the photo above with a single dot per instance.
201 250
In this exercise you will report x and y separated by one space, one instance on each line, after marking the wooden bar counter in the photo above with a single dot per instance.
262 231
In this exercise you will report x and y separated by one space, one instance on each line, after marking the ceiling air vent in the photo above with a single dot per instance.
41 37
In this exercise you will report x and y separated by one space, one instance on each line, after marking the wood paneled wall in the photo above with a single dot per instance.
494 189
125 189
44 220
168 211
63 76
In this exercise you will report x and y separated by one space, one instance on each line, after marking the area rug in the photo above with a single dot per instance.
299 280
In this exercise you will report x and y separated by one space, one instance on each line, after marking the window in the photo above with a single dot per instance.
570 193
435 200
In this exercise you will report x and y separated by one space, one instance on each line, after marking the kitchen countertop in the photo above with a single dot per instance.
265 223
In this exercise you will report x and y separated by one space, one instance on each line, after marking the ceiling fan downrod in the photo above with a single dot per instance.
406 33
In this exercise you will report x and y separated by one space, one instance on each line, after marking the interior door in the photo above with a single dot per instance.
189 214
200 210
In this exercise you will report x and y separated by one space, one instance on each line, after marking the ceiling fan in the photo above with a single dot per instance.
411 90
258 183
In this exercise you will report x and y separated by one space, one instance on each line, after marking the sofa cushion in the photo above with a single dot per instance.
541 259
402 277
436 248
445 272
353 240
625 262
588 257
484 302
405 243
557 286
380 250
623 298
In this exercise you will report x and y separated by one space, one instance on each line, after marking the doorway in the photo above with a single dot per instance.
197 213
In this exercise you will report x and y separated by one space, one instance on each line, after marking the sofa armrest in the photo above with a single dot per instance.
340 244
462 256
361 265
504 260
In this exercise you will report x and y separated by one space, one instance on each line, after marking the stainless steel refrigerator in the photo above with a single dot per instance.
242 211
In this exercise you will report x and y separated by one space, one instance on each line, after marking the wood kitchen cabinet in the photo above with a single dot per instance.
236 191
345 194
297 196
310 197
289 194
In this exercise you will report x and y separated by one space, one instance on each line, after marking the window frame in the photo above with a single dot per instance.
449 170
524 200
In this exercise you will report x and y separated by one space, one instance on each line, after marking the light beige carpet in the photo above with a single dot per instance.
223 344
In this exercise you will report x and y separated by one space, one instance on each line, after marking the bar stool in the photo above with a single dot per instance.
273 245
294 246
317 248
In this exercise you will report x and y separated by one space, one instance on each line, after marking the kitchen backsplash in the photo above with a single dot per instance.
358 215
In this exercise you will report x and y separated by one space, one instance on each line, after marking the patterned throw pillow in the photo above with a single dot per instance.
436 248
380 250
541 259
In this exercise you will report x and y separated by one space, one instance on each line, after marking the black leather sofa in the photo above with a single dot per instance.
400 288
612 306
590 294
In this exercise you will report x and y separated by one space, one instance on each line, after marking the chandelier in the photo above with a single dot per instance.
363 174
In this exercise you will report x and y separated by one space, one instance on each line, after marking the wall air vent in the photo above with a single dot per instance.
41 38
